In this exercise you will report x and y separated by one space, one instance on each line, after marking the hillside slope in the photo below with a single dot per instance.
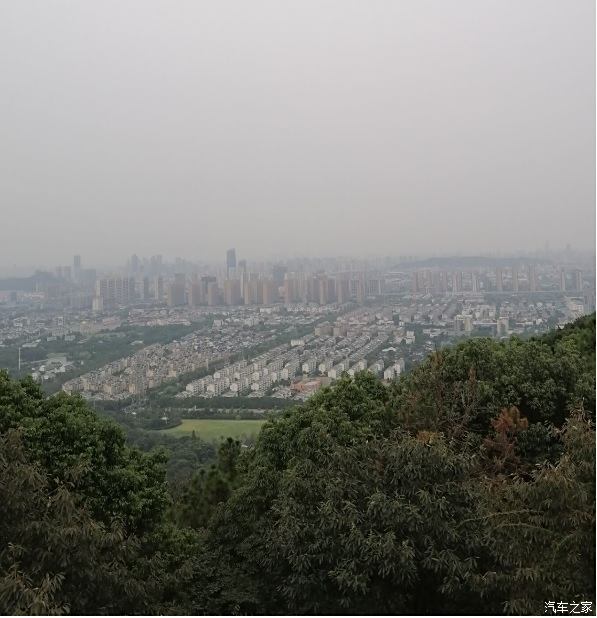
467 486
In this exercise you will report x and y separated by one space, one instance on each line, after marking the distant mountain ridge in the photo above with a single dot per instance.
470 262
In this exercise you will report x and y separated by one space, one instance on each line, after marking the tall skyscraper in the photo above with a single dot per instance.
532 278
232 292
213 294
155 264
158 289
562 280
134 264
142 288
475 282
205 281
176 291
270 292
176 294
457 282
242 275
515 278
278 273
195 296
290 289
342 290
230 263
414 283
499 280
578 282
253 292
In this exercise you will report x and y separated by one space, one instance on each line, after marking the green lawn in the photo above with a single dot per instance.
214 429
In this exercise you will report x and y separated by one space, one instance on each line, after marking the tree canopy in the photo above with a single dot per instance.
466 486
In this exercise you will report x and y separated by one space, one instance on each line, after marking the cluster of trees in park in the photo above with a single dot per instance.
205 405
467 486
185 455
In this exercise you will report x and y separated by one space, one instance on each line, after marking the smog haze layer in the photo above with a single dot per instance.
311 128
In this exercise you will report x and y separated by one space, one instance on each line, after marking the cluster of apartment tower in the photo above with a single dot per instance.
512 279
236 286
243 289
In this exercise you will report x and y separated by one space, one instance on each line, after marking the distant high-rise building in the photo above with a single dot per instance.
376 285
532 278
253 292
213 294
144 288
115 291
435 282
278 272
205 281
323 291
158 289
176 293
475 282
578 283
361 292
155 264
134 264
342 290
443 282
457 282
311 289
515 278
242 275
290 290
232 292
499 280
195 296
414 283
270 292
230 263
562 280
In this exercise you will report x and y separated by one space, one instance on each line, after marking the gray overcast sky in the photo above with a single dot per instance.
298 127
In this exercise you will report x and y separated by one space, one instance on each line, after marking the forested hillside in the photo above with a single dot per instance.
467 486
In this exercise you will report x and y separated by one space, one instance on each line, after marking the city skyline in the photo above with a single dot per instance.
546 251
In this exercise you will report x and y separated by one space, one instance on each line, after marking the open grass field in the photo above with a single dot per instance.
214 429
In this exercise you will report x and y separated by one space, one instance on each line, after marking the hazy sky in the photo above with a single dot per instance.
297 127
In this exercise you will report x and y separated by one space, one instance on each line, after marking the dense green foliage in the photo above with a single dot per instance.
467 486
214 404
184 455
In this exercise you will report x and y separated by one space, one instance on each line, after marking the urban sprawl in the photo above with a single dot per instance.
279 330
